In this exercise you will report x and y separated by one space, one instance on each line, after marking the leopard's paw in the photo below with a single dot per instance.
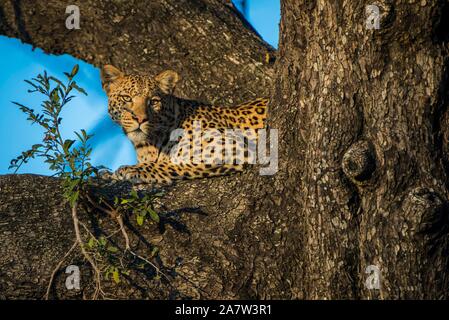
106 175
128 173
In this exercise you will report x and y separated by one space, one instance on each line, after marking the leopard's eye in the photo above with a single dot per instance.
126 98
153 101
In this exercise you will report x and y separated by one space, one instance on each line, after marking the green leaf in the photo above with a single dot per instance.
159 194
102 241
116 276
133 194
79 136
112 249
78 88
23 108
108 272
74 70
91 243
58 82
153 215
140 219
85 135
67 144
71 184
36 147
155 251
54 95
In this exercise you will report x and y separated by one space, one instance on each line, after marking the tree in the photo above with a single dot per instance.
362 118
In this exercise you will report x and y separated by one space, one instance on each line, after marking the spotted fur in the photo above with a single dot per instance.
150 114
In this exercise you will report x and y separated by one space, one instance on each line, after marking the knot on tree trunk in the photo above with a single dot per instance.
433 208
359 161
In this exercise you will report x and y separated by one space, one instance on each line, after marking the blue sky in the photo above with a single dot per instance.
111 148
264 15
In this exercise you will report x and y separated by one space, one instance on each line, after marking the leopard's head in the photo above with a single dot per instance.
133 99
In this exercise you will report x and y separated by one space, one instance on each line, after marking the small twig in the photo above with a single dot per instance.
113 233
86 229
93 236
114 214
158 270
58 266
96 205
119 219
84 252
124 233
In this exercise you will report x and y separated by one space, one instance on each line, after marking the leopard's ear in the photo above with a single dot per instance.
109 74
167 81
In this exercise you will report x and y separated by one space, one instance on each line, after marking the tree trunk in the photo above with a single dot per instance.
363 131
362 185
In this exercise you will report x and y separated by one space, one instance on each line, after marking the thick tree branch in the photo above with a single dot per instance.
220 59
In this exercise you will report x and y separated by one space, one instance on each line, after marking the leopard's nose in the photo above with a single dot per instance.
141 119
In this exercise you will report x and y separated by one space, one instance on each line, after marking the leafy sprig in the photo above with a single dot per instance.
70 160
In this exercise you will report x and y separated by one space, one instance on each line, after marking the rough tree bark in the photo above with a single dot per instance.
362 118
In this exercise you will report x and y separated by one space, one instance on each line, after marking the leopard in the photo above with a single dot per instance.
176 138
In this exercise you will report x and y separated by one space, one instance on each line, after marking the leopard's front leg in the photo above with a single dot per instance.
165 172
145 173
